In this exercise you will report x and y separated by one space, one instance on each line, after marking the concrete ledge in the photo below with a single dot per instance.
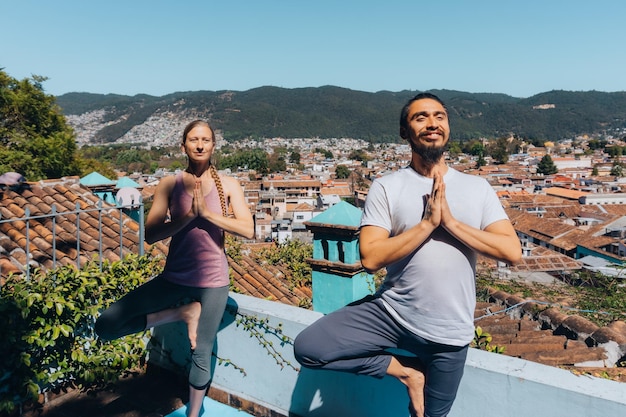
255 365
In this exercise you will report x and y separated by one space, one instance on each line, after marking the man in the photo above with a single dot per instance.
425 223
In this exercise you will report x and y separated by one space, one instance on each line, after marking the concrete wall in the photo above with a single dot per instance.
255 362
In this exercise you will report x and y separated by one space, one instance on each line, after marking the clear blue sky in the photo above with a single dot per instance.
157 47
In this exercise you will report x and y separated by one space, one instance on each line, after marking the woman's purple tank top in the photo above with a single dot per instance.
196 255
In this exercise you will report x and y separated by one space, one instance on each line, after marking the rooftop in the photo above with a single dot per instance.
547 336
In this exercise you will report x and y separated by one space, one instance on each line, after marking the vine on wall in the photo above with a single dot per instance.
260 329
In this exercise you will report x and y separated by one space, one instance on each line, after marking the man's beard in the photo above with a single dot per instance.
429 154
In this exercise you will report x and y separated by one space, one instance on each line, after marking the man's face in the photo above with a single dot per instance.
427 129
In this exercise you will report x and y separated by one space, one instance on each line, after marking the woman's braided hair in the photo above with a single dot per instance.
220 188
212 170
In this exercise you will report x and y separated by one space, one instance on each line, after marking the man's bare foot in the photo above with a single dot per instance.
191 316
414 382
409 372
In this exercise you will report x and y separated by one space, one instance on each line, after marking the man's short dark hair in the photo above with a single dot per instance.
404 114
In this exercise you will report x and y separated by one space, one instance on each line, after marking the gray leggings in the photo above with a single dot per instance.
356 339
128 315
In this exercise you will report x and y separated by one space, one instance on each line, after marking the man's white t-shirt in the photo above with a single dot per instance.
432 292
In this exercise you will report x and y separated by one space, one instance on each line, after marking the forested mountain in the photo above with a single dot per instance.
328 112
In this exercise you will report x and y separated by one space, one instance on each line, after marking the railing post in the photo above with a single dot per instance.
27 248
121 213
54 235
100 233
141 229
77 235
54 213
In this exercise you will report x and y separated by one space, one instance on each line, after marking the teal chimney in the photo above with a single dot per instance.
338 276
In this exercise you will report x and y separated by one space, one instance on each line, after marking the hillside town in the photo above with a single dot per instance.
573 219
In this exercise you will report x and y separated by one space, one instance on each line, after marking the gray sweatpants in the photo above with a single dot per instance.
128 315
357 339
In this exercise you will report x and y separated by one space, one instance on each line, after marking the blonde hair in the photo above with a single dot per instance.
220 188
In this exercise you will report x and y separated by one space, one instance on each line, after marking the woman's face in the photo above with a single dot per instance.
199 144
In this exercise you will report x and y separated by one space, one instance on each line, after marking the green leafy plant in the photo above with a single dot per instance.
48 341
291 255
233 247
482 340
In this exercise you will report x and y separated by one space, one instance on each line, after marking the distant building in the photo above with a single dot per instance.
263 226
325 202
565 163
296 190
273 203
603 199
281 230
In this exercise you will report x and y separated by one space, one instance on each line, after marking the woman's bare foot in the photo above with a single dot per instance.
190 314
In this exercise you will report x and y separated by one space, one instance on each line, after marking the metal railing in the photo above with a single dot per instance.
137 209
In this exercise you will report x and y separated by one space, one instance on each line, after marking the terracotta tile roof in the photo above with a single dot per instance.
340 191
250 274
550 228
551 231
525 200
545 260
511 194
255 277
614 209
301 207
65 195
558 232
547 335
565 193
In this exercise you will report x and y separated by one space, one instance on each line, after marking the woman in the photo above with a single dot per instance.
196 269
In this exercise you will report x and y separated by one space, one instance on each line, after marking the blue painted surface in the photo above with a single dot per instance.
333 242
95 178
493 385
331 291
342 213
212 408
126 182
